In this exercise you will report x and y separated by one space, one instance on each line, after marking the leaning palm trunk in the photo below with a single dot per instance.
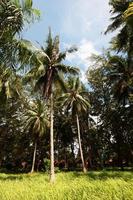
34 158
80 146
52 173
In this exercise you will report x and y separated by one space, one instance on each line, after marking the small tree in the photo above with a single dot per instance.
37 122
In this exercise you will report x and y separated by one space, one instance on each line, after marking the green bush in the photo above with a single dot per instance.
46 164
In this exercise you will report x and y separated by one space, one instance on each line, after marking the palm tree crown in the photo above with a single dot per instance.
51 58
123 39
36 117
36 120
73 99
46 63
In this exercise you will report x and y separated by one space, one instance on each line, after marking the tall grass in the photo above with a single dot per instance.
68 186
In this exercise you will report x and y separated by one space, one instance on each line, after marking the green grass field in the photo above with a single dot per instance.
68 186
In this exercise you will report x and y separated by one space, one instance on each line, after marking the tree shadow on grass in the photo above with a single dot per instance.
104 175
10 177
28 176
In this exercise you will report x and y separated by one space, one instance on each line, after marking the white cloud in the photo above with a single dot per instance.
81 58
84 21
82 16
83 77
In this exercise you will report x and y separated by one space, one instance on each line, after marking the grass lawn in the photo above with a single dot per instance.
68 186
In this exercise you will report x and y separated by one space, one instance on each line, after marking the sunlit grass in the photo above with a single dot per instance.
68 186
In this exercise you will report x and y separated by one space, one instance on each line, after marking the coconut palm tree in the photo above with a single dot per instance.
54 69
48 71
117 10
74 101
124 39
36 121
13 16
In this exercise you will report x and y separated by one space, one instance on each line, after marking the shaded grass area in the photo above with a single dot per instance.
102 185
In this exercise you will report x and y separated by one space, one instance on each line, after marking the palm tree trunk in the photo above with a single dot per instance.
34 158
130 52
52 173
80 146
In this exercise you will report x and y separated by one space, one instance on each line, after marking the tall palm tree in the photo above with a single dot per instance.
124 39
49 71
36 120
74 101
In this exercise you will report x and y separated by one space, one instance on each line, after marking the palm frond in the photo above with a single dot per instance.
128 14
77 84
49 42
72 100
85 102
117 22
36 117
11 19
67 69
59 81
28 11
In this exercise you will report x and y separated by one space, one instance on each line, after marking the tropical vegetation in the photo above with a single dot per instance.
52 122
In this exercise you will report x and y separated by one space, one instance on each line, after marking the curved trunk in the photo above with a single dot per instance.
52 173
80 146
34 158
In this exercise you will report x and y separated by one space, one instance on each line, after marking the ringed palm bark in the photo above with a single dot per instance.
49 71
74 101
36 121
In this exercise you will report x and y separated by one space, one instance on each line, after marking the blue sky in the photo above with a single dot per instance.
77 22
